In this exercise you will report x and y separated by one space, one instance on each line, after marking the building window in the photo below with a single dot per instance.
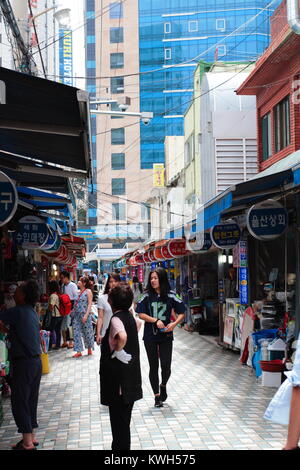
266 136
115 107
168 54
118 211
118 161
220 24
117 85
189 150
117 60
221 49
118 136
145 211
116 10
282 124
193 26
116 35
167 28
117 186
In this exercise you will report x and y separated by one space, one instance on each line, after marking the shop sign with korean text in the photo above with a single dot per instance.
177 248
201 242
8 199
225 236
244 285
32 233
267 220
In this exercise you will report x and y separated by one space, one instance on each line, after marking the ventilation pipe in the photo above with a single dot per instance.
293 15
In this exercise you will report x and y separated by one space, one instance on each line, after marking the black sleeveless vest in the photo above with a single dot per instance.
114 373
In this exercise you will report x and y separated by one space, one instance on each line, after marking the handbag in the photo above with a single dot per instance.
278 410
47 320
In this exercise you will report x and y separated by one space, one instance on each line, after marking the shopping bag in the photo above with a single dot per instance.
278 410
45 363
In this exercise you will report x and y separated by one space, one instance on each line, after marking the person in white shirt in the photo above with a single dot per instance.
104 309
70 288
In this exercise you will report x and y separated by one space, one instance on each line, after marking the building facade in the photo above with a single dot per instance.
179 34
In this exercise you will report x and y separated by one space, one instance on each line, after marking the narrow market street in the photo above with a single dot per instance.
214 404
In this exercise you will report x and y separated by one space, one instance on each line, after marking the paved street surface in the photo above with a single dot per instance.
214 403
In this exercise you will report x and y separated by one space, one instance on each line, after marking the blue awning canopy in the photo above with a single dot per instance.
43 201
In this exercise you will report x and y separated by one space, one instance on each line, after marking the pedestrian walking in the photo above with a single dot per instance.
26 366
137 289
82 319
104 308
56 318
120 371
70 288
155 308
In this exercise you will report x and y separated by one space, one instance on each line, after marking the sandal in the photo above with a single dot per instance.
21 443
20 446
77 355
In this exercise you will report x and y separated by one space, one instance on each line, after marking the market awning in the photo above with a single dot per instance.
42 200
75 245
44 120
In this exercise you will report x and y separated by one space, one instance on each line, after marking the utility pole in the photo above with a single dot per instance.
26 64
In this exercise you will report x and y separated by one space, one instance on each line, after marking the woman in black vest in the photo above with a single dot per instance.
120 371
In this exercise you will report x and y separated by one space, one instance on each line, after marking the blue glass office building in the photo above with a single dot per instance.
91 87
182 32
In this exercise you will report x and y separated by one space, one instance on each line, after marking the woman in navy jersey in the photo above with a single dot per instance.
155 307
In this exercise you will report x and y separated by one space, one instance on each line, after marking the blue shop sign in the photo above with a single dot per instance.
8 199
225 236
267 220
32 233
244 282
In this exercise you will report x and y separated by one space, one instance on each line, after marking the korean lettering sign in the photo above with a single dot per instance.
225 236
177 248
244 274
32 233
267 220
8 199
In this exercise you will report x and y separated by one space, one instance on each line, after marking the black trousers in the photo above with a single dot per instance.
56 327
120 417
159 352
25 384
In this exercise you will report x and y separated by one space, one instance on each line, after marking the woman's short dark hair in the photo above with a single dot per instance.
31 291
114 276
53 287
86 282
164 284
121 297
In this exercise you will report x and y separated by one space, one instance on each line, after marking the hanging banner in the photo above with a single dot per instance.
8 199
165 253
267 220
32 233
66 56
202 242
146 257
177 248
158 254
244 284
158 175
225 236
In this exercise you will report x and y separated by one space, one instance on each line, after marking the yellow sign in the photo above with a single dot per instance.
158 175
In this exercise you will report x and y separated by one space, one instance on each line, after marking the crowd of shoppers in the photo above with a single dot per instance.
117 333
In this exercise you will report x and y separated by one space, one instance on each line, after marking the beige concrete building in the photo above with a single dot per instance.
119 178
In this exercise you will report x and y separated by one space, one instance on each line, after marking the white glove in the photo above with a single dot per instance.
122 356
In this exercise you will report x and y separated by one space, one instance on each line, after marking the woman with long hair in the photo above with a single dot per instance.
104 308
155 308
82 319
